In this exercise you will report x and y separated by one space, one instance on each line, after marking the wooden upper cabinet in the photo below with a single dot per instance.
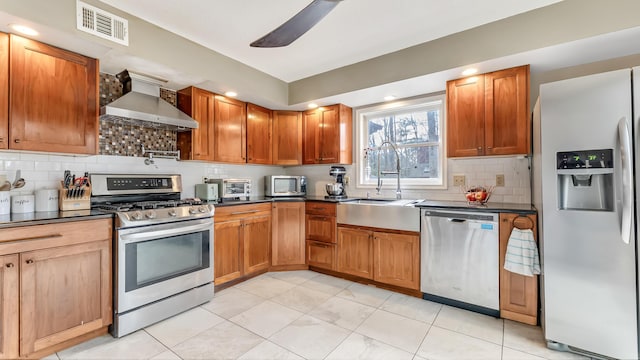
197 144
54 99
487 114
465 117
327 135
9 299
259 129
4 90
287 138
230 126
507 129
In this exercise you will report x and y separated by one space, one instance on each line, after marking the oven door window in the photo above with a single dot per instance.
152 261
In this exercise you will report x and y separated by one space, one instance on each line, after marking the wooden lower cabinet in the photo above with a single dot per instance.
518 293
387 257
61 293
288 246
242 241
227 251
396 259
256 243
322 255
55 283
9 311
355 252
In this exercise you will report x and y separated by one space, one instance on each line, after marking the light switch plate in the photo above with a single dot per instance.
500 180
458 180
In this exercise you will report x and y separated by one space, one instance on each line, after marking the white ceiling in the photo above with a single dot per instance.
354 31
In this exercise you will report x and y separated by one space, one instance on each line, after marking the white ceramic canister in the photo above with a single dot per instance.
21 204
47 200
5 202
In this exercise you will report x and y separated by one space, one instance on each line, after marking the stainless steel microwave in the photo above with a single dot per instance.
232 189
285 185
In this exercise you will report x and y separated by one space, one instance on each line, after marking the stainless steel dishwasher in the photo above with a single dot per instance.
460 259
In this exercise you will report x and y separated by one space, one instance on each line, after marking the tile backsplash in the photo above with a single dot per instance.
478 171
125 138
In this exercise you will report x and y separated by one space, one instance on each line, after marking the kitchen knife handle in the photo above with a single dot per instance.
626 226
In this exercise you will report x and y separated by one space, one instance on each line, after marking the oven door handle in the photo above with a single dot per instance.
152 234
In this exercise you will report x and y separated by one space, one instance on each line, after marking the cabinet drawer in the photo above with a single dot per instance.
35 237
321 254
320 228
237 212
320 208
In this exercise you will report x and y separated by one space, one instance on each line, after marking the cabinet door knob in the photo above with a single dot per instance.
9 265
30 261
489 148
479 148
1 139
17 141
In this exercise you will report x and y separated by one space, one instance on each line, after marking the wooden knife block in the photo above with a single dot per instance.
67 203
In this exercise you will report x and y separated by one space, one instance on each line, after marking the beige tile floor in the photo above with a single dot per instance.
306 315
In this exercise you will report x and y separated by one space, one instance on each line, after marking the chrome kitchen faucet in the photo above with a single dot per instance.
397 172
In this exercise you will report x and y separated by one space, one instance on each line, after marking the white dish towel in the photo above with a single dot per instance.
522 253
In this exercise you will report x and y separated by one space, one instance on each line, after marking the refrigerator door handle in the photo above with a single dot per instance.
627 180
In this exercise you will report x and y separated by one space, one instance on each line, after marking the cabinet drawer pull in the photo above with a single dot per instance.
479 148
1 139
17 141
244 212
38 238
321 218
29 261
9 265
321 245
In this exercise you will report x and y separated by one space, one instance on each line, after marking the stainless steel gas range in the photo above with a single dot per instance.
163 247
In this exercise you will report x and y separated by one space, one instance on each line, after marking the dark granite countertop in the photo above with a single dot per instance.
42 218
489 206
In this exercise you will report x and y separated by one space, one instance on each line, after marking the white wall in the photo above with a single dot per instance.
478 171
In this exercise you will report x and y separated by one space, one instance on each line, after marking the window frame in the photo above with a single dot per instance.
361 115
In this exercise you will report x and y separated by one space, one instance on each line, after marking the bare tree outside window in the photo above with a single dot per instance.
415 131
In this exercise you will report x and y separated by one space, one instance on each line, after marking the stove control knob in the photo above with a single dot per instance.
172 213
192 210
150 214
202 209
137 215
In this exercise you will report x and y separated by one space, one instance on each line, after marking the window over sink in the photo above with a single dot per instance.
415 128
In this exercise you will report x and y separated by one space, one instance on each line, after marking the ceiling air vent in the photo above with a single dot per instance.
98 22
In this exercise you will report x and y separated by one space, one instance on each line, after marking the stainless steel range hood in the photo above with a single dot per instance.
141 101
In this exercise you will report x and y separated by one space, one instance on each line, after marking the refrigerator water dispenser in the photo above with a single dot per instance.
585 180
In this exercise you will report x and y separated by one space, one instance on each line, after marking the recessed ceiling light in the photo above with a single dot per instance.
23 29
389 98
312 105
469 71
231 94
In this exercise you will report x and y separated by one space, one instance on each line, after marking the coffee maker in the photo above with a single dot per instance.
336 189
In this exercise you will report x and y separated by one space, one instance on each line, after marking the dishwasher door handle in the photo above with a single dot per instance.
456 220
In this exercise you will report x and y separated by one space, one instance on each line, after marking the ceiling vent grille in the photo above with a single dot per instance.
98 22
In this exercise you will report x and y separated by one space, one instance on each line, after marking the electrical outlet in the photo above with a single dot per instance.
204 179
500 180
347 180
458 180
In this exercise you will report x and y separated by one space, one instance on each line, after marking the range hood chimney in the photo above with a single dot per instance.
141 101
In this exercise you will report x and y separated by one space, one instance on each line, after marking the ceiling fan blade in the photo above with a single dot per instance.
299 24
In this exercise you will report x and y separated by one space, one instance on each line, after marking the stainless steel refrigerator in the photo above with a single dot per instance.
584 187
